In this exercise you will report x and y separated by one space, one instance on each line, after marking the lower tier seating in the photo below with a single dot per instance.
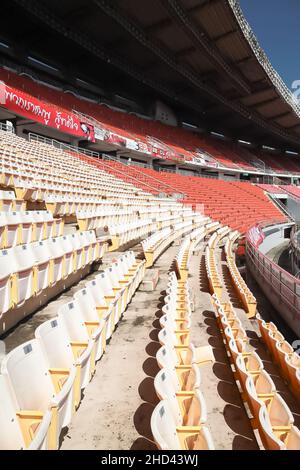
178 421
41 380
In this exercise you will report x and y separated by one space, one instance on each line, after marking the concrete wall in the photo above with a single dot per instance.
274 236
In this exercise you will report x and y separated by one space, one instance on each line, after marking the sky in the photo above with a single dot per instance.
276 24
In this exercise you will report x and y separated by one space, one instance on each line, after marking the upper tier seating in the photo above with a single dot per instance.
176 139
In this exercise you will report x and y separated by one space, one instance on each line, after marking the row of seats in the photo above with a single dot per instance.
131 126
17 228
124 233
42 380
217 197
178 421
189 243
9 202
245 295
270 414
27 270
282 353
213 275
154 245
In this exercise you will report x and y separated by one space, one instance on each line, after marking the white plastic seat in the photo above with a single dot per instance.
64 354
56 251
6 298
112 294
96 328
27 222
275 423
188 374
18 430
189 406
169 434
67 247
106 310
41 257
37 387
79 251
22 264
14 229
71 316
169 336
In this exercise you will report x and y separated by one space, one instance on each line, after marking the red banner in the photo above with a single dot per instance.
30 107
256 235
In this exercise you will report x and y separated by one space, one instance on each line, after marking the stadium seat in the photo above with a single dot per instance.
189 406
38 387
188 374
106 310
71 317
21 429
96 328
169 434
64 353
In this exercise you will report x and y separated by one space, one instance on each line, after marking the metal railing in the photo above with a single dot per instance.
283 284
281 206
101 159
7 127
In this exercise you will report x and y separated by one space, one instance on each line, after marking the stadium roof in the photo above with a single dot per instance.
198 55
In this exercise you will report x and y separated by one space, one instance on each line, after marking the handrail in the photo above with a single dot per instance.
79 150
281 206
7 127
95 122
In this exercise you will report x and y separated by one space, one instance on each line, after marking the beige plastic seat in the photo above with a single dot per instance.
106 311
18 429
282 350
168 336
275 423
293 371
273 339
189 406
250 365
169 434
95 326
265 328
188 374
71 316
259 390
38 387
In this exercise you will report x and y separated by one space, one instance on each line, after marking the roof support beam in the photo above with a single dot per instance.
203 43
38 10
92 47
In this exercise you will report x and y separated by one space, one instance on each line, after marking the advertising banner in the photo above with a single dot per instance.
256 236
28 106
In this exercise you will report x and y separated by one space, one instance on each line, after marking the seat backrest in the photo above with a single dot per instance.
10 432
54 342
27 372
166 385
86 305
73 321
279 412
23 256
269 440
163 427
95 293
8 263
166 357
263 383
